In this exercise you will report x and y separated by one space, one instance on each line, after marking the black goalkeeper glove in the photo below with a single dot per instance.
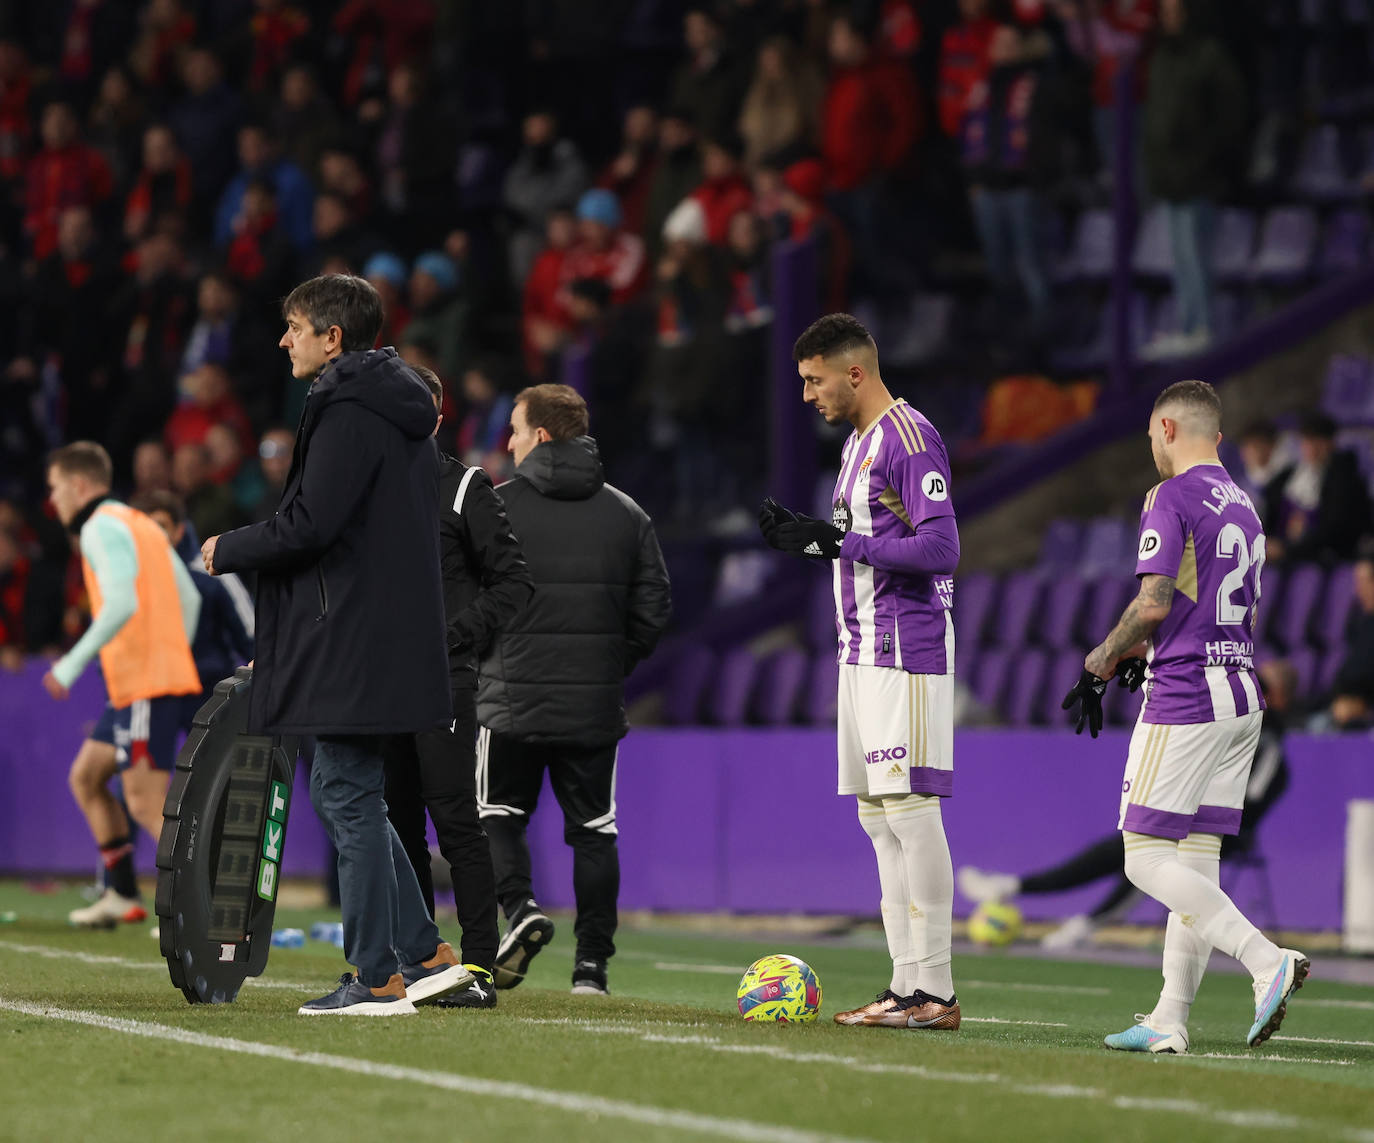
1087 696
1131 672
771 516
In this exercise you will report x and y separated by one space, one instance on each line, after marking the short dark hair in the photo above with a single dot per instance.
344 300
160 500
1317 426
431 380
557 409
84 458
1196 395
1262 429
832 334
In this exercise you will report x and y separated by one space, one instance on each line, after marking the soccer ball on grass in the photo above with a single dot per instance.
780 988
994 923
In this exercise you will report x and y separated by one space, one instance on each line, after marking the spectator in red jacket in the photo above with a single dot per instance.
275 29
15 90
400 32
545 322
963 61
724 190
163 185
604 250
212 402
64 173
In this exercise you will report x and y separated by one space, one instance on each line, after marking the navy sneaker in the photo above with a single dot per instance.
481 993
589 978
430 979
529 932
354 998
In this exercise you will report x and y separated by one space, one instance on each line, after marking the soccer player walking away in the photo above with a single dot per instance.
1201 551
144 615
894 545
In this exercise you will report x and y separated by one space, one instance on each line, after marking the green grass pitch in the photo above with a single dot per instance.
97 1045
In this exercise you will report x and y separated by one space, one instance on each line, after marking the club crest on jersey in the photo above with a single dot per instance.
1149 544
867 464
840 516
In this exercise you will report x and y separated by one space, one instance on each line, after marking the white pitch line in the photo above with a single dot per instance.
1319 1040
1362 1005
999 1020
1268 1057
567 1101
1068 989
722 969
52 953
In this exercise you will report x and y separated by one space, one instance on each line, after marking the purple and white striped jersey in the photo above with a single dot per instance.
1201 529
892 478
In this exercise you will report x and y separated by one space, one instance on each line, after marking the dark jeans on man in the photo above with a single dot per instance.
509 776
437 771
384 918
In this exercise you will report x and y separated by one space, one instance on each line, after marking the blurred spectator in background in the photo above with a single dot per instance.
804 215
16 90
209 506
750 303
259 162
439 311
1261 457
14 586
387 274
152 467
303 121
548 172
258 256
341 173
723 190
677 174
64 173
115 124
381 29
544 319
415 149
610 336
484 431
210 401
709 84
1317 509
205 119
336 236
1191 157
963 62
274 459
781 112
1352 704
603 249
630 174
166 29
163 184
275 28
83 39
225 335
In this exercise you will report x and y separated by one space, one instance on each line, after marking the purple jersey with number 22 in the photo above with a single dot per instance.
1201 529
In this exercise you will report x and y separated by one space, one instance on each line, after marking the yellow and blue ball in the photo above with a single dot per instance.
780 988
994 923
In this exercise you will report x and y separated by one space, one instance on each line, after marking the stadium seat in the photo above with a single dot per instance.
687 683
921 333
1106 601
822 690
1090 256
974 596
1300 601
1326 673
1109 547
1328 628
1096 352
1287 245
990 679
1061 544
1344 244
727 702
1321 174
1271 604
966 658
1061 610
1304 663
1232 245
1348 390
1060 675
1026 687
1153 256
1021 593
821 630
779 686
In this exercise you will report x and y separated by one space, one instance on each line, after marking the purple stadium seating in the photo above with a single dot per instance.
1348 391
1326 674
1119 706
974 596
1227 313
1109 547
966 658
1345 244
1300 601
822 690
1329 625
1232 245
921 332
1021 592
1061 611
1287 245
990 680
1271 604
1026 687
1090 255
820 616
1321 175
1153 256
730 690
1096 352
1106 601
687 683
780 683
1304 662
1061 544
1060 676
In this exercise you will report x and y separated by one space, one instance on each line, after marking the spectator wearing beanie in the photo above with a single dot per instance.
439 313
544 319
387 273
603 250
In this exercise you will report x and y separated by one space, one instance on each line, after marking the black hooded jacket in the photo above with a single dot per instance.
350 610
601 601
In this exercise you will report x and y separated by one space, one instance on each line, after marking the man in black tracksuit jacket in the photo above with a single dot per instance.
486 584
551 689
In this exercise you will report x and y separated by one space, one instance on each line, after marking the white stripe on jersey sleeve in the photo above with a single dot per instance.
1219 686
462 491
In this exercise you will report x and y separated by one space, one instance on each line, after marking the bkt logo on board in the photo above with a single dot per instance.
273 835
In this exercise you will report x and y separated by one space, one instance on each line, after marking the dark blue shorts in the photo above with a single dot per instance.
146 732
104 731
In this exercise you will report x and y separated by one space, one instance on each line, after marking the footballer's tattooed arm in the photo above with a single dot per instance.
1138 622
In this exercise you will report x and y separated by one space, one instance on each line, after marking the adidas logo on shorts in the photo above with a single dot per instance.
895 771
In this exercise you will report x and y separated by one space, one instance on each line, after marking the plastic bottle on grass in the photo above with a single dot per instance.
288 939
330 932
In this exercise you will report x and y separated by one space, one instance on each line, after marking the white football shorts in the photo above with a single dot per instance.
896 732
1188 778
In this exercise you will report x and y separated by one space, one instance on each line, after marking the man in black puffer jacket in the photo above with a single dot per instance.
551 688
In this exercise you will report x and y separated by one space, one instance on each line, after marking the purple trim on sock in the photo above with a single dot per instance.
1157 823
1216 819
929 780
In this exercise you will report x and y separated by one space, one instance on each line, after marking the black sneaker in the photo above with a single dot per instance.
529 933
481 993
589 978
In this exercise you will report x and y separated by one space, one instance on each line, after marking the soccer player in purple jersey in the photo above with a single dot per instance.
894 547
1201 551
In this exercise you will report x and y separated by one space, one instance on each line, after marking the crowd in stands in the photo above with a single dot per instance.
525 181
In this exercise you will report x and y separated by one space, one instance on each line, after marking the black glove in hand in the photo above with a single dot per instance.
771 516
810 538
1131 673
1087 696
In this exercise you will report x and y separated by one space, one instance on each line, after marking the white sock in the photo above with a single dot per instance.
916 821
1185 952
892 884
1153 866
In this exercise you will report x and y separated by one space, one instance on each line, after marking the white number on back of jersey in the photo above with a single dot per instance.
1231 545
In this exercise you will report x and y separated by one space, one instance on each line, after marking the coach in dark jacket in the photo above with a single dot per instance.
350 623
1318 509
551 688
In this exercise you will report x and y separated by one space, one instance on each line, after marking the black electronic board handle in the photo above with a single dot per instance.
219 855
